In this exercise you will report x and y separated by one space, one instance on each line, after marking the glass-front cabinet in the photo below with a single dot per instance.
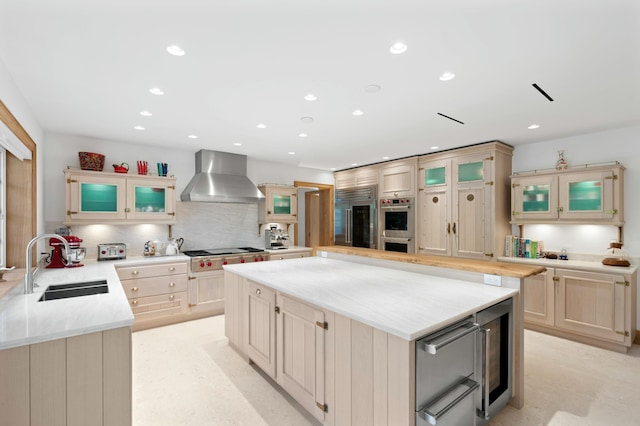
280 204
101 197
583 195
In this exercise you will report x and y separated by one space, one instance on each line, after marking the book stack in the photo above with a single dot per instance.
523 247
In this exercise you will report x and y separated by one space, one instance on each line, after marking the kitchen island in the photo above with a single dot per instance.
346 332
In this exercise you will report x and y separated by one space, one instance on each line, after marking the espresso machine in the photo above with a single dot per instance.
60 259
275 239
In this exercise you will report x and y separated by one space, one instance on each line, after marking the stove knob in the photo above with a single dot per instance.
103 252
255 259
261 259
121 251
242 260
224 262
202 264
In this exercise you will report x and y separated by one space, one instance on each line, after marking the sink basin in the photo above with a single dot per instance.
85 288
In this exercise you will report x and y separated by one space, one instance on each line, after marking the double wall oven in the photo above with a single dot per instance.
397 216
463 372
206 276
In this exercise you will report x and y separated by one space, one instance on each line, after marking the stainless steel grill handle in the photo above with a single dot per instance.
440 342
486 373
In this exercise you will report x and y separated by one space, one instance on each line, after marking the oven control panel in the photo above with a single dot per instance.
215 263
394 202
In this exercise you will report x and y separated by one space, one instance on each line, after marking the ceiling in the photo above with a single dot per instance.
86 67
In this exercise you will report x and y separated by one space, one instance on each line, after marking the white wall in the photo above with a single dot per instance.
614 145
203 225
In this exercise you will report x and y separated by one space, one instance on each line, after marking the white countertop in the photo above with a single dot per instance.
406 304
24 320
578 262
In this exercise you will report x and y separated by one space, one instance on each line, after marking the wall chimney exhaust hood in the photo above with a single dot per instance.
221 177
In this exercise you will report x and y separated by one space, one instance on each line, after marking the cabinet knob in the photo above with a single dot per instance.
134 302
258 291
171 269
135 272
134 289
172 284
172 297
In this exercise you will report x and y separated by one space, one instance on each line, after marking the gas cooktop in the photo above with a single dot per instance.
221 251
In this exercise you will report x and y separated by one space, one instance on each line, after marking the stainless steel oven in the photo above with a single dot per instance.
463 372
397 217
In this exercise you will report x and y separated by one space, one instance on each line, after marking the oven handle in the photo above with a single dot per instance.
440 342
433 418
486 373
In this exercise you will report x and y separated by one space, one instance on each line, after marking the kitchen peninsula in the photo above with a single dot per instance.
340 336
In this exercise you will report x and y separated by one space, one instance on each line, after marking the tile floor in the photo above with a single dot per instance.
186 374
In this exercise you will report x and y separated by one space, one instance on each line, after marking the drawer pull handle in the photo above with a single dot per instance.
134 302
258 291
134 289
135 272
432 418
433 346
172 284
172 269
172 297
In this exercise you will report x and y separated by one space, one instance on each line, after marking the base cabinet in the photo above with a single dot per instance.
77 381
206 294
592 307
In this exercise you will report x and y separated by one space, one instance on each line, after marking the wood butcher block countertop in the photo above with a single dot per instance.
486 267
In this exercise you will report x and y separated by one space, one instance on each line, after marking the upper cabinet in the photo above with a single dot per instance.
463 205
363 176
102 197
592 194
280 204
398 179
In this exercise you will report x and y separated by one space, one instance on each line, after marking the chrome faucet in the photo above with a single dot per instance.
28 277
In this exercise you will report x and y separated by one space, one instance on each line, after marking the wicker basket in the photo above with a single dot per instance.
91 161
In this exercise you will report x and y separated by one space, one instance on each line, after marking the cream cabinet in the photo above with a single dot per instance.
592 307
157 293
290 254
579 195
462 201
398 179
362 176
101 197
280 204
261 327
206 294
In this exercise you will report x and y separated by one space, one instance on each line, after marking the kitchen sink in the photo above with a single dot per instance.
84 288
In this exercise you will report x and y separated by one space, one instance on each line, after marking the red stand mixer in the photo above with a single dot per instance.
75 255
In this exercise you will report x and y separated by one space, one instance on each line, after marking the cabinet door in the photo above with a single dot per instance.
261 336
587 195
397 181
94 198
592 304
151 200
206 293
434 208
282 204
471 212
300 356
534 198
539 298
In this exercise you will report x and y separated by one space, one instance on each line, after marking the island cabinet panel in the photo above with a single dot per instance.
84 380
49 383
117 381
235 313
14 386
261 335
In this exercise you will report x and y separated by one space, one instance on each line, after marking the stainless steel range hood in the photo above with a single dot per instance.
221 177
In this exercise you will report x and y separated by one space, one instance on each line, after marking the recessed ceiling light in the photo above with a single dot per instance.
306 120
175 50
261 126
302 135
192 137
354 164
385 158
310 97
138 127
146 113
156 91
373 88
357 112
446 76
434 147
398 48
237 144
291 153
533 126
333 168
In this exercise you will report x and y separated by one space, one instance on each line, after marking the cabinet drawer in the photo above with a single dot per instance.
142 287
143 271
295 255
161 306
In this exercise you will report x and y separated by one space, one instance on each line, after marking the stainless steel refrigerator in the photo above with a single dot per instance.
356 217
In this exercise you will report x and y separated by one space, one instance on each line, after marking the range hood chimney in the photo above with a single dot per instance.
221 177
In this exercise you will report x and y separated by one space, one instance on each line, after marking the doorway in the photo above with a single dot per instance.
318 216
